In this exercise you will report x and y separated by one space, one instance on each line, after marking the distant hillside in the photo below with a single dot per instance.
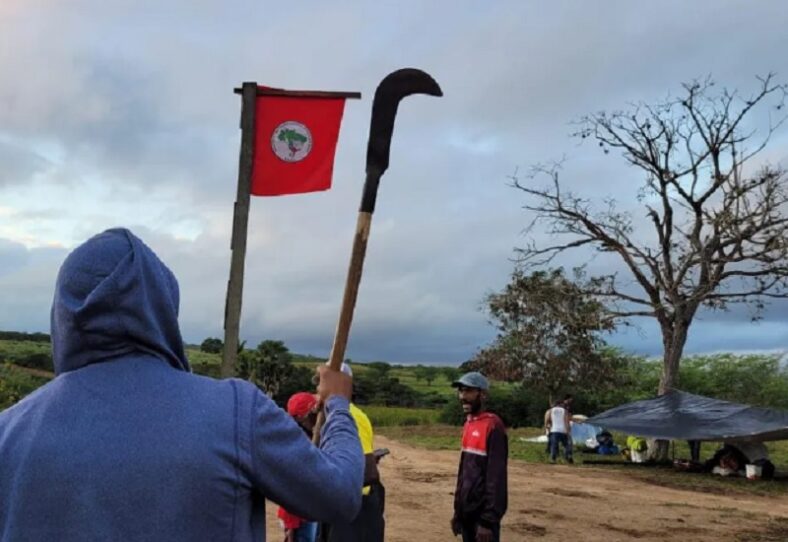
193 351
22 336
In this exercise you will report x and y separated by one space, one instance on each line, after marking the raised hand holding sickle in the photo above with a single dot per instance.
391 90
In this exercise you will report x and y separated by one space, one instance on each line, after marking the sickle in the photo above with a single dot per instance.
391 90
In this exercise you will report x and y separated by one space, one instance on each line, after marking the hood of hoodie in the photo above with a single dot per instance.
114 297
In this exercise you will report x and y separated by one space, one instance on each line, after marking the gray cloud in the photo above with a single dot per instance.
13 255
19 164
27 284
126 112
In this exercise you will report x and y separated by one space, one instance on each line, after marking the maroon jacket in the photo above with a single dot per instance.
481 494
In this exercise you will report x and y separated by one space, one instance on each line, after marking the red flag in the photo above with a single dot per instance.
295 140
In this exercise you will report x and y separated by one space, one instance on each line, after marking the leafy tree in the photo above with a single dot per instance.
517 407
298 379
450 373
630 378
380 368
371 388
549 333
469 365
269 366
750 379
212 345
718 226
426 373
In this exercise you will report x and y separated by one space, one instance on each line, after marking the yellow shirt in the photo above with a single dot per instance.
365 434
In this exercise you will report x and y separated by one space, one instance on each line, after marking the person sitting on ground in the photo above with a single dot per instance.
727 461
741 453
125 443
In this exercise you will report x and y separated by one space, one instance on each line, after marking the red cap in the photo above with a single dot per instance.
301 404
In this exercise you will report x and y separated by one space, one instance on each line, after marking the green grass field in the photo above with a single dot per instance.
440 386
197 356
16 383
382 416
13 351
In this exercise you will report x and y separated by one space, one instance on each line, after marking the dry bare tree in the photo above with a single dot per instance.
717 210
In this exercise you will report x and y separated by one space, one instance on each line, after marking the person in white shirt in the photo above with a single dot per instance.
557 422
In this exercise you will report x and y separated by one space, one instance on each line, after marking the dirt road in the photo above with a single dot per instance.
560 503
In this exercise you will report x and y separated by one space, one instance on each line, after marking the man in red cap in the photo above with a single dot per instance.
303 408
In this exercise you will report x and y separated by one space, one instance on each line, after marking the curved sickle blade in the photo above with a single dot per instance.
391 90
396 86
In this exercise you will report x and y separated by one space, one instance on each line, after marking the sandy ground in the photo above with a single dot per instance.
560 503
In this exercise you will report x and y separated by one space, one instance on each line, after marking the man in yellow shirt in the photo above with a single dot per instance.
369 525
365 434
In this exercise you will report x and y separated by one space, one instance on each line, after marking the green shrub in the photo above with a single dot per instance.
298 379
516 407
37 360
15 385
207 369
212 345
18 351
373 388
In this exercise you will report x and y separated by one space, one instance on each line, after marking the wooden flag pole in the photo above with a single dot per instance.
235 284
232 308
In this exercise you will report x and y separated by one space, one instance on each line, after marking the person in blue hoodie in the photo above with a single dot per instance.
127 444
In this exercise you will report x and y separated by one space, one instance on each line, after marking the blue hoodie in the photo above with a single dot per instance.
125 444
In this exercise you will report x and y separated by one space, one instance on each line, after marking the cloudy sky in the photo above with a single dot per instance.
122 114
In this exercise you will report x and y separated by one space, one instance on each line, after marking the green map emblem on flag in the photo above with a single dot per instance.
291 141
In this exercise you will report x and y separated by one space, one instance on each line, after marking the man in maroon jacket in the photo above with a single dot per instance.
481 494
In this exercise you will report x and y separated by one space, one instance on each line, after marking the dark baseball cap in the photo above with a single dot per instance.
473 379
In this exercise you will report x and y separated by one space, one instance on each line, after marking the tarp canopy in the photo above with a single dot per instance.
678 415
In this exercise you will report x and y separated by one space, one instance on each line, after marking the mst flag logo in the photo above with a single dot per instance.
291 141
295 141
